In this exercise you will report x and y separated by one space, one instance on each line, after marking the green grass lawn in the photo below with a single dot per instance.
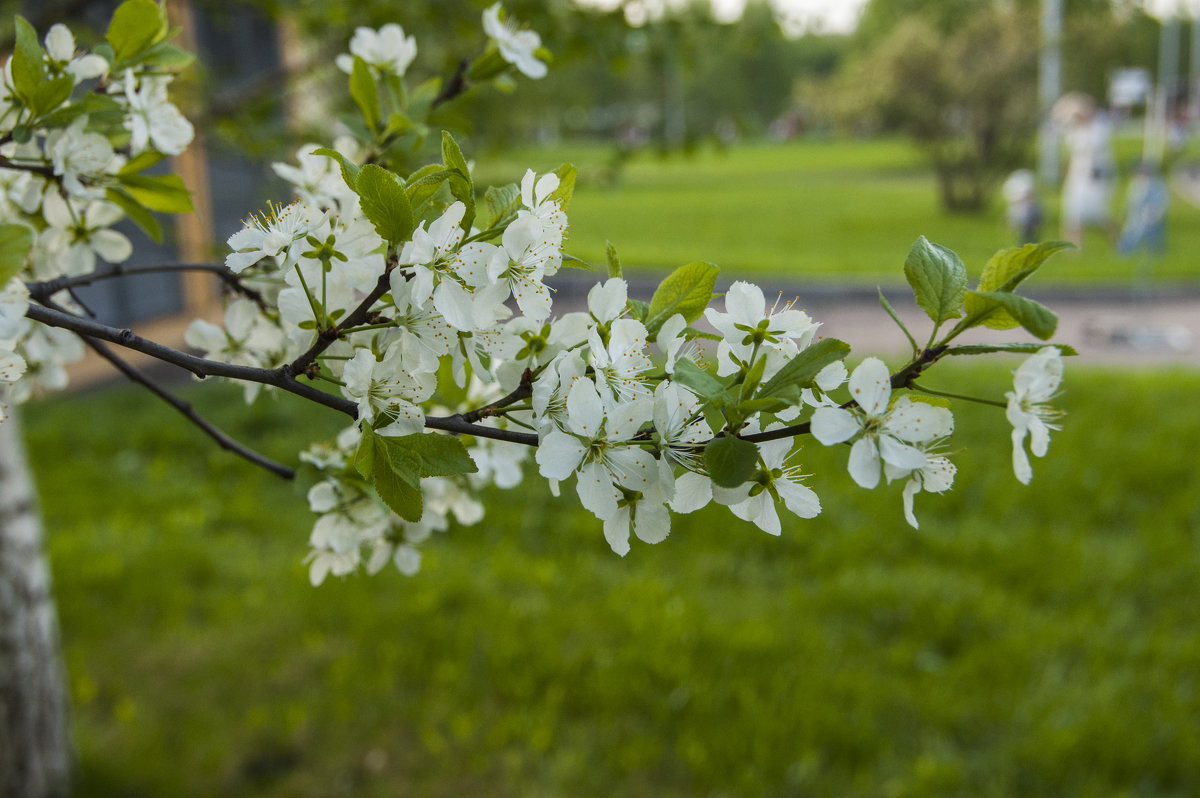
825 209
1032 641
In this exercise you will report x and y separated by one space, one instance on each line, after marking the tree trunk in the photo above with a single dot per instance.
35 752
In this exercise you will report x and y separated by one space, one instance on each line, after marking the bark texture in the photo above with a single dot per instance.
35 752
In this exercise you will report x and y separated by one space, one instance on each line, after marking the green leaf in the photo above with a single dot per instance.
428 454
140 215
163 193
938 279
698 380
104 114
400 495
984 349
143 160
1034 317
50 94
1007 269
687 290
802 370
15 242
364 456
614 263
452 155
425 182
501 202
730 461
136 26
566 185
460 177
385 203
638 309
364 92
167 56
753 377
28 67
350 169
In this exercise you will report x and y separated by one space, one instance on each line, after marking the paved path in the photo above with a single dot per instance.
1108 325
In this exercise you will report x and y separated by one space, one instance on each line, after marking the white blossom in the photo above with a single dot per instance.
78 157
1035 382
518 47
154 121
60 47
387 50
749 329
882 433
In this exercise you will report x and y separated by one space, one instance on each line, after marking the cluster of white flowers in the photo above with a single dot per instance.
424 309
53 182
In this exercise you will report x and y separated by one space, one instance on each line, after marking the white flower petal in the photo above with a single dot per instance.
832 425
871 386
864 463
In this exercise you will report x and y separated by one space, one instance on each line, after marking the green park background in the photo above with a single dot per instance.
1025 641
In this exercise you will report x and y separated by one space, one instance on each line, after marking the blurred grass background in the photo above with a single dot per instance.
1034 641
844 210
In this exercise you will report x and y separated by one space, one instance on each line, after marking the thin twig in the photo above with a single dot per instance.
185 408
48 288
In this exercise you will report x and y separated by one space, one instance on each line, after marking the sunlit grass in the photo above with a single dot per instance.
827 209
1028 641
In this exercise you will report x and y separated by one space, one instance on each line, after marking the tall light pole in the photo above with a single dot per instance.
1049 88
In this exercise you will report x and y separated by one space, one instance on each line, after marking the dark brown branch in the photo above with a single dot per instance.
201 367
185 408
48 288
280 378
37 169
455 86
358 316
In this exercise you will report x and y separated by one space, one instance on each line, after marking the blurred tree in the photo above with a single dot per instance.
966 97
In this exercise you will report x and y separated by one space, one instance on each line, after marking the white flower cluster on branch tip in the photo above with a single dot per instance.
424 306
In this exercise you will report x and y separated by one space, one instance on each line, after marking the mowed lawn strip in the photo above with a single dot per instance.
1040 640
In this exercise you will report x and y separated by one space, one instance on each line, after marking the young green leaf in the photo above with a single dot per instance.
698 380
136 211
350 169
136 26
460 176
15 242
687 291
364 93
938 279
50 94
614 263
385 202
501 202
141 162
163 193
1007 269
802 370
1000 309
28 67
167 56
730 461
566 185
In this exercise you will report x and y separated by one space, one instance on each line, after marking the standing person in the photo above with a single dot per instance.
1088 187
1024 210
1145 213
